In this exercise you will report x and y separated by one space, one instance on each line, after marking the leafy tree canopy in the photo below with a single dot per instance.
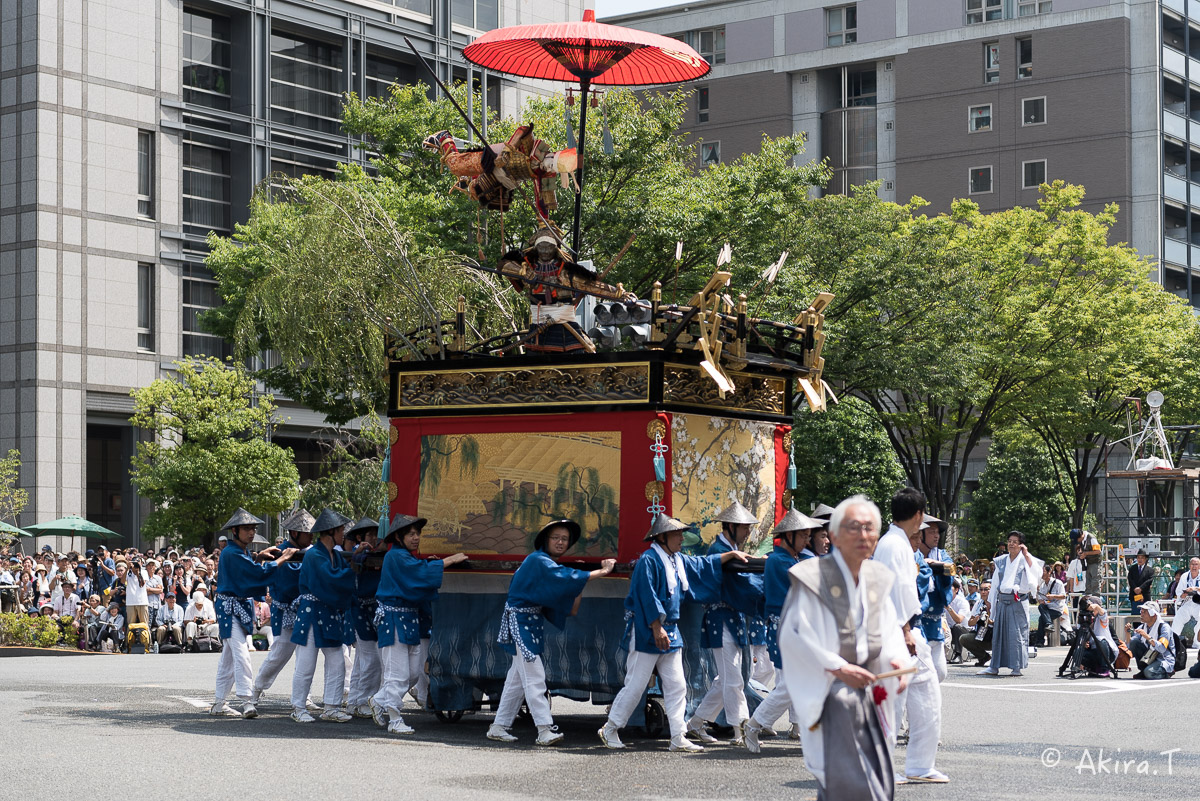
209 452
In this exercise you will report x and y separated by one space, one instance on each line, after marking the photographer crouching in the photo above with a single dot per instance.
1152 644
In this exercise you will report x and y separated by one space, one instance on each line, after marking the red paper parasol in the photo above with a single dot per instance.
589 53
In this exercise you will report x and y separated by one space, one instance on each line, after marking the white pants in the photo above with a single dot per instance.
525 680
728 690
306 668
923 700
401 665
639 667
364 681
775 704
937 650
280 652
422 686
233 668
763 668
194 630
1183 614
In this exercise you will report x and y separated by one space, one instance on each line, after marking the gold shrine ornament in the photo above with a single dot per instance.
393 491
655 489
393 434
656 428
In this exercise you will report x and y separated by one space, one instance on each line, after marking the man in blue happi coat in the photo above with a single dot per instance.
367 672
791 543
662 579
323 619
407 589
541 590
724 631
285 596
243 581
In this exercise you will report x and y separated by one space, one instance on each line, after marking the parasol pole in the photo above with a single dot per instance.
585 85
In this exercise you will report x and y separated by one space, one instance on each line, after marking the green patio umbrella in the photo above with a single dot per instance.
72 526
5 528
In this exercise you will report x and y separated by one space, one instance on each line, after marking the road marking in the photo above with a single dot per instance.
1104 686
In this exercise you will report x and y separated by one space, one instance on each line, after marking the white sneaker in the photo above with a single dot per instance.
398 726
256 695
377 714
302 716
500 734
696 730
361 711
549 735
249 710
794 732
335 715
313 706
610 737
750 735
684 745
222 709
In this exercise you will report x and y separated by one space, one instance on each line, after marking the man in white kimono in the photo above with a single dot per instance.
838 630
924 700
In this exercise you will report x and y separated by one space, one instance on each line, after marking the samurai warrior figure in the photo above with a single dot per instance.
552 308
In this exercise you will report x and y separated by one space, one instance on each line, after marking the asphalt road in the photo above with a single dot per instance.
111 726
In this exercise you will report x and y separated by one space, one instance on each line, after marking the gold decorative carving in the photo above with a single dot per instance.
499 388
393 435
655 489
752 393
656 428
393 491
787 441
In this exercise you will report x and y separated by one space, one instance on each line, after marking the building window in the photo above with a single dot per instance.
206 199
199 295
1025 58
482 15
979 118
841 25
991 62
1033 111
420 6
702 104
145 321
382 73
307 82
981 180
1033 174
710 153
146 174
1028 8
206 59
984 11
709 43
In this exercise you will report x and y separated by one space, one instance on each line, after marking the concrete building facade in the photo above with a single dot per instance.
130 129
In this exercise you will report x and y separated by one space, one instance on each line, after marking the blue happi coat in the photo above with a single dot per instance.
285 589
934 593
362 611
407 584
326 593
775 589
541 590
741 596
243 581
650 598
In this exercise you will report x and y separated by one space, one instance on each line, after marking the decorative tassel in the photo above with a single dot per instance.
606 134
570 125
791 471
660 462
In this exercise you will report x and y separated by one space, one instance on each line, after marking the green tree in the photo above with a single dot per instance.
1017 491
209 452
12 497
841 453
353 480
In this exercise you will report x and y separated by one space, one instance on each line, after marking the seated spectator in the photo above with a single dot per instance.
91 621
1100 649
201 616
112 627
1052 602
1152 644
170 622
958 611
66 604
262 622
977 641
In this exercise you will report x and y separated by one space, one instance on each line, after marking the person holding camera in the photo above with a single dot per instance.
978 641
1052 603
1100 649
137 601
112 627
1187 597
1090 555
170 622
1152 644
